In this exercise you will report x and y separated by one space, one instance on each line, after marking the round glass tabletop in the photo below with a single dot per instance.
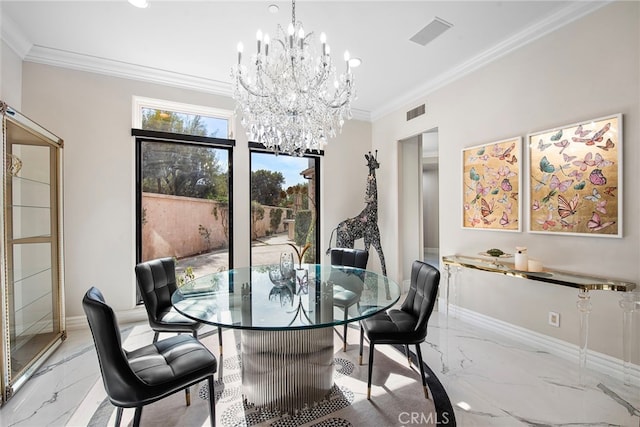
268 298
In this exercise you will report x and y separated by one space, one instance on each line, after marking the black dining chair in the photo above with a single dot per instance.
347 293
133 379
408 325
157 282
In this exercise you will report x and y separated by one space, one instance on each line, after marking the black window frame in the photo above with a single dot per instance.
255 147
204 141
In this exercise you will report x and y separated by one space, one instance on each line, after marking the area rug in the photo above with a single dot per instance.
397 398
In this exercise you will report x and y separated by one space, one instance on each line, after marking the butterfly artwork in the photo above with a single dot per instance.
573 183
486 209
507 208
596 224
542 146
568 225
514 195
503 199
546 166
594 196
556 136
548 222
480 152
597 137
567 207
580 186
506 185
473 220
513 160
597 178
504 220
482 158
502 155
601 162
586 162
505 172
548 197
487 221
607 146
542 181
473 174
576 174
562 144
556 184
582 133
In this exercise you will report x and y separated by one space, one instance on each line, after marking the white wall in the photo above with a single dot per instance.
92 113
10 77
587 69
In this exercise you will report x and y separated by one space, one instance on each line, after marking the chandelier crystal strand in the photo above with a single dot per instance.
290 99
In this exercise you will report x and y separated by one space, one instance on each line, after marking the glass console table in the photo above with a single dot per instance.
286 324
584 283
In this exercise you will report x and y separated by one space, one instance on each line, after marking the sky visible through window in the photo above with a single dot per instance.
289 166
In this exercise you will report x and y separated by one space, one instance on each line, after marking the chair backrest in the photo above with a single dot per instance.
350 257
117 375
422 294
157 282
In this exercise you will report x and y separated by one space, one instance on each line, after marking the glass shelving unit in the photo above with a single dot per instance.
31 284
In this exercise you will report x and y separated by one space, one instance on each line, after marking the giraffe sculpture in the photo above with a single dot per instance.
365 224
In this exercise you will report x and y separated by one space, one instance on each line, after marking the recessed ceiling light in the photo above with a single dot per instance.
273 8
139 3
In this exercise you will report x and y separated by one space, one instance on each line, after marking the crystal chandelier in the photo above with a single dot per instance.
290 99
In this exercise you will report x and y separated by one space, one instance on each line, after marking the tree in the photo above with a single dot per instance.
266 187
183 170
171 121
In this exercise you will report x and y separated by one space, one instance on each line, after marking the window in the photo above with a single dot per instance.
284 206
183 187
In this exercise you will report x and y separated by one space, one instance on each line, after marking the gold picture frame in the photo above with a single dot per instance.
491 185
575 179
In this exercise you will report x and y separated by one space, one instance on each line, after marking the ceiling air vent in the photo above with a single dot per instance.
418 111
432 30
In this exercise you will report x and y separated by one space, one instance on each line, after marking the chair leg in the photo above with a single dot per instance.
406 351
212 401
344 337
118 416
187 395
370 370
220 339
424 379
137 416
361 343
155 336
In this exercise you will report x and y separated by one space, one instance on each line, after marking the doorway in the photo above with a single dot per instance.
430 198
419 201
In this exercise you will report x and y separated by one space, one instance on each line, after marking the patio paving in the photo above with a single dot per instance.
264 251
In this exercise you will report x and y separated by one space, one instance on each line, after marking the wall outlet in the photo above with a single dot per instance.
554 319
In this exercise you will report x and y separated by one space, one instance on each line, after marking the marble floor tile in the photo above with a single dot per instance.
491 381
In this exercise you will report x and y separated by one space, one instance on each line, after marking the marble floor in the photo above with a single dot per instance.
491 381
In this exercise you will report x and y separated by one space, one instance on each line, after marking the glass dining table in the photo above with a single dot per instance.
286 323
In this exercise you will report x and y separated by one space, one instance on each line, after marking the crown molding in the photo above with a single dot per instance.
13 36
571 13
109 67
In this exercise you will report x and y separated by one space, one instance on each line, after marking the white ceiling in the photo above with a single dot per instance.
192 44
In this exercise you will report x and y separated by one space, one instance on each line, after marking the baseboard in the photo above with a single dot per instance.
137 314
596 361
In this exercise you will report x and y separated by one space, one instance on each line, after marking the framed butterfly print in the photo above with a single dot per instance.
491 186
575 179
